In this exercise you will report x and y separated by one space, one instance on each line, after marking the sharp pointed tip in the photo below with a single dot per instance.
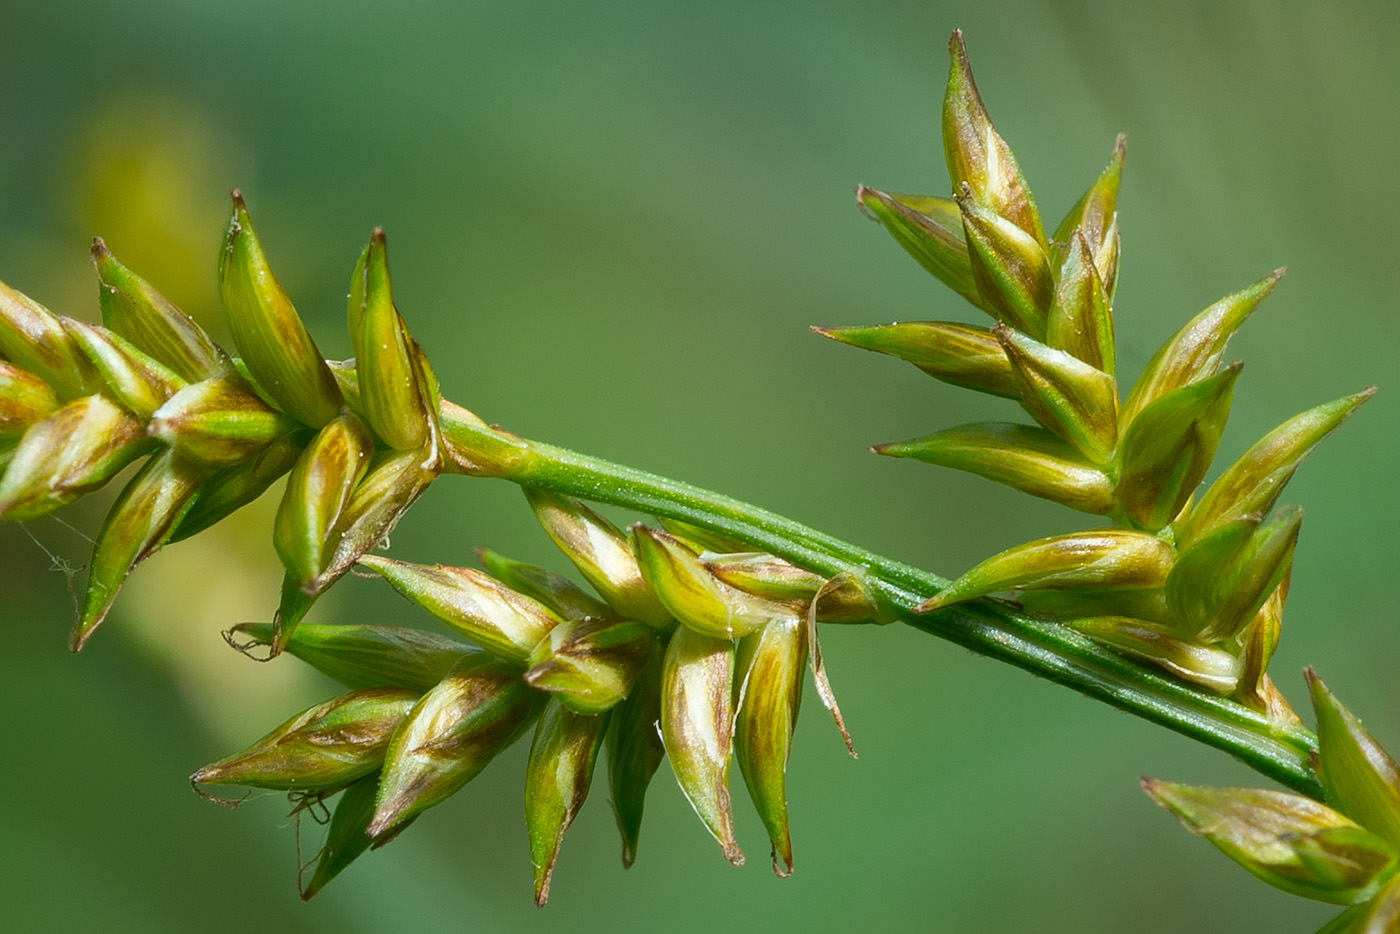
236 195
377 235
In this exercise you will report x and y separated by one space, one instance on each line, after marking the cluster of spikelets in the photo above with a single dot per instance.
691 654
696 643
1193 584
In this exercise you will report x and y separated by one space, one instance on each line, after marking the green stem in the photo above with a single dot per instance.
988 627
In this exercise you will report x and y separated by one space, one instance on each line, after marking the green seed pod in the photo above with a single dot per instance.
1028 458
1359 777
230 489
1221 581
219 421
1195 351
1066 395
694 596
24 399
602 555
390 486
1009 266
394 404
136 526
67 454
367 656
451 734
555 591
1169 445
634 754
1094 215
557 778
977 156
959 354
1101 558
133 379
136 311
1080 321
930 230
481 608
697 726
346 839
1156 643
275 345
770 663
322 748
1253 483
590 665
1287 840
317 493
34 339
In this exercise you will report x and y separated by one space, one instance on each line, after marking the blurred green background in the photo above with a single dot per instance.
610 225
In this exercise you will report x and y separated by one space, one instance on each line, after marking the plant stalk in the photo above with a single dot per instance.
987 627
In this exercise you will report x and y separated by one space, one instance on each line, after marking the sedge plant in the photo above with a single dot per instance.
691 643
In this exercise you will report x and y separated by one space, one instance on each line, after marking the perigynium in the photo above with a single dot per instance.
691 646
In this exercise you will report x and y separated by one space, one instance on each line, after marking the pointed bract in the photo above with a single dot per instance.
138 382
219 421
769 664
557 778
346 839
959 354
694 596
1359 777
1080 321
1028 458
1195 351
1009 267
977 156
602 555
449 736
634 754
1252 484
322 748
275 345
1093 216
1066 395
69 453
135 310
1167 448
1098 559
395 405
697 726
317 492
1287 840
931 232
478 606
138 523
34 339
